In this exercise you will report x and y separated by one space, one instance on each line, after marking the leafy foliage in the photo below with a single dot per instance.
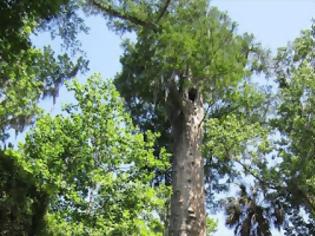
211 226
36 74
22 204
296 75
191 48
284 169
90 171
20 18
93 163
27 73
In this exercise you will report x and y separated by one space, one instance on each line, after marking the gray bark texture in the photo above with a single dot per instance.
188 201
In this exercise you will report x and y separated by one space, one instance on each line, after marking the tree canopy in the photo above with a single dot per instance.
182 129
31 73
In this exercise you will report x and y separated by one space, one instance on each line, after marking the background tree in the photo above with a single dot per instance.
283 170
91 161
251 217
295 70
27 72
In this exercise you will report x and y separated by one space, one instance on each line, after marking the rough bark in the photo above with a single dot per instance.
187 203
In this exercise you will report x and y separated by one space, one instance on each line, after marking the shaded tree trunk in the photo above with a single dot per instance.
187 202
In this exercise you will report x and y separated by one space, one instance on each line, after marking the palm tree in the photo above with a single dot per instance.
248 217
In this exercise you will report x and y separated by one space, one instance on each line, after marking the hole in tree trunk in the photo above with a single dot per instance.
192 94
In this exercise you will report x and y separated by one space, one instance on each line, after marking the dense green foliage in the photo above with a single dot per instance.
22 203
91 171
296 115
92 165
296 124
283 170
202 50
28 73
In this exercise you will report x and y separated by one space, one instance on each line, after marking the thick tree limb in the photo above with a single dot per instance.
119 14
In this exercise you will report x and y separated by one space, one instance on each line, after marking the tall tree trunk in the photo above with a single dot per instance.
187 203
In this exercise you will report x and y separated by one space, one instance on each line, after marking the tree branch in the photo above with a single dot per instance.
262 181
279 188
163 10
119 14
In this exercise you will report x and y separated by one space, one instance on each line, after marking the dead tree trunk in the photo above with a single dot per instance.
187 202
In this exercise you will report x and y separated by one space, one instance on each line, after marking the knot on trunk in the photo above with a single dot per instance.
191 213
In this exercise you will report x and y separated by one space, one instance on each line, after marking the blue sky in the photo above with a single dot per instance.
273 22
